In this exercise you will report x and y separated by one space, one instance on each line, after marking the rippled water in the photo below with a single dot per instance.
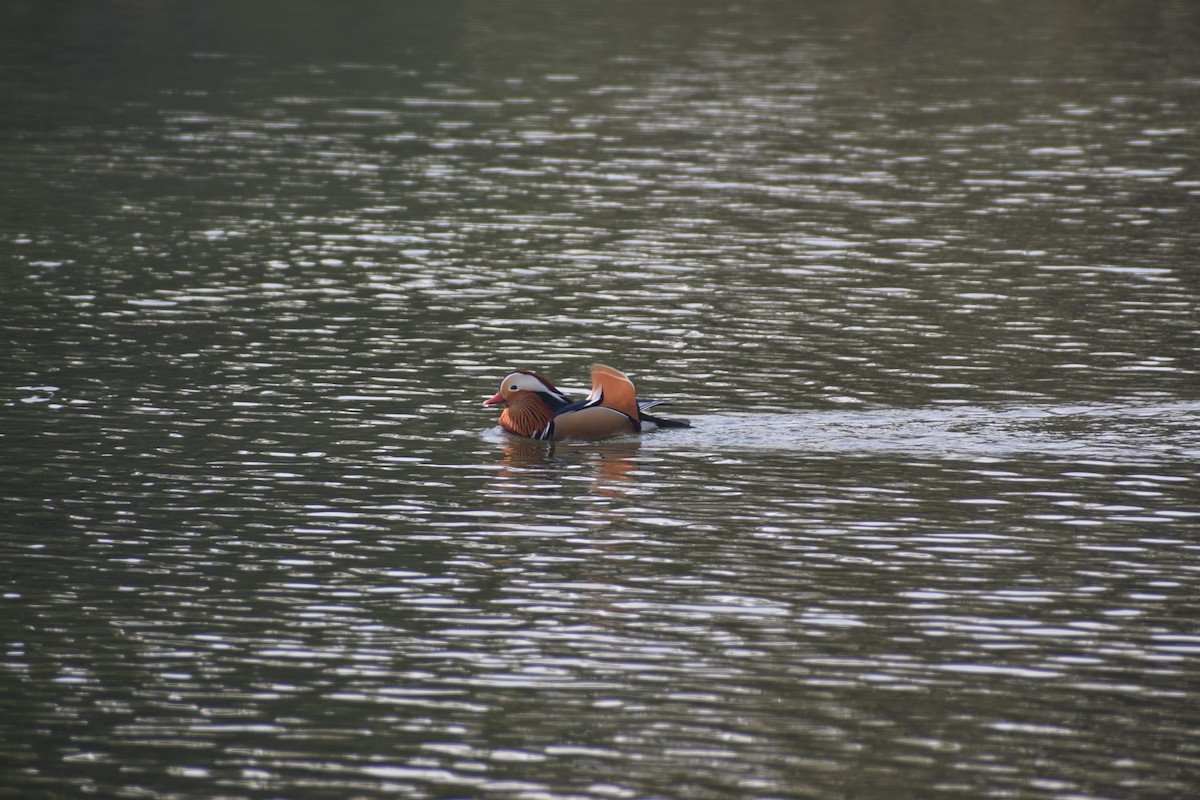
923 275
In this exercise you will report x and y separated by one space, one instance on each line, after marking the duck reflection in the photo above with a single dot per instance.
532 469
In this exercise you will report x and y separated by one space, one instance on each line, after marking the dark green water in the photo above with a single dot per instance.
923 274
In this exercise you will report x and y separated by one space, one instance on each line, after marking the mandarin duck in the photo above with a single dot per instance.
534 408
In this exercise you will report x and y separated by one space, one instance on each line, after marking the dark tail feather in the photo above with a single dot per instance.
663 422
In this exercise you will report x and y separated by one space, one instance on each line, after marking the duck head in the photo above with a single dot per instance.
530 402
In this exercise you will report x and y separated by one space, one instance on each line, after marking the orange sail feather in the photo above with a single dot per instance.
615 391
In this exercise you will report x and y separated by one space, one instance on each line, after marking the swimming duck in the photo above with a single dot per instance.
534 408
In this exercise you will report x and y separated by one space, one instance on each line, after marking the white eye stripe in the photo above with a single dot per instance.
519 381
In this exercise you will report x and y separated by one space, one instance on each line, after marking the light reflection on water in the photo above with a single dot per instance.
930 302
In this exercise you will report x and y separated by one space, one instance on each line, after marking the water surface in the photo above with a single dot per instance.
922 275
